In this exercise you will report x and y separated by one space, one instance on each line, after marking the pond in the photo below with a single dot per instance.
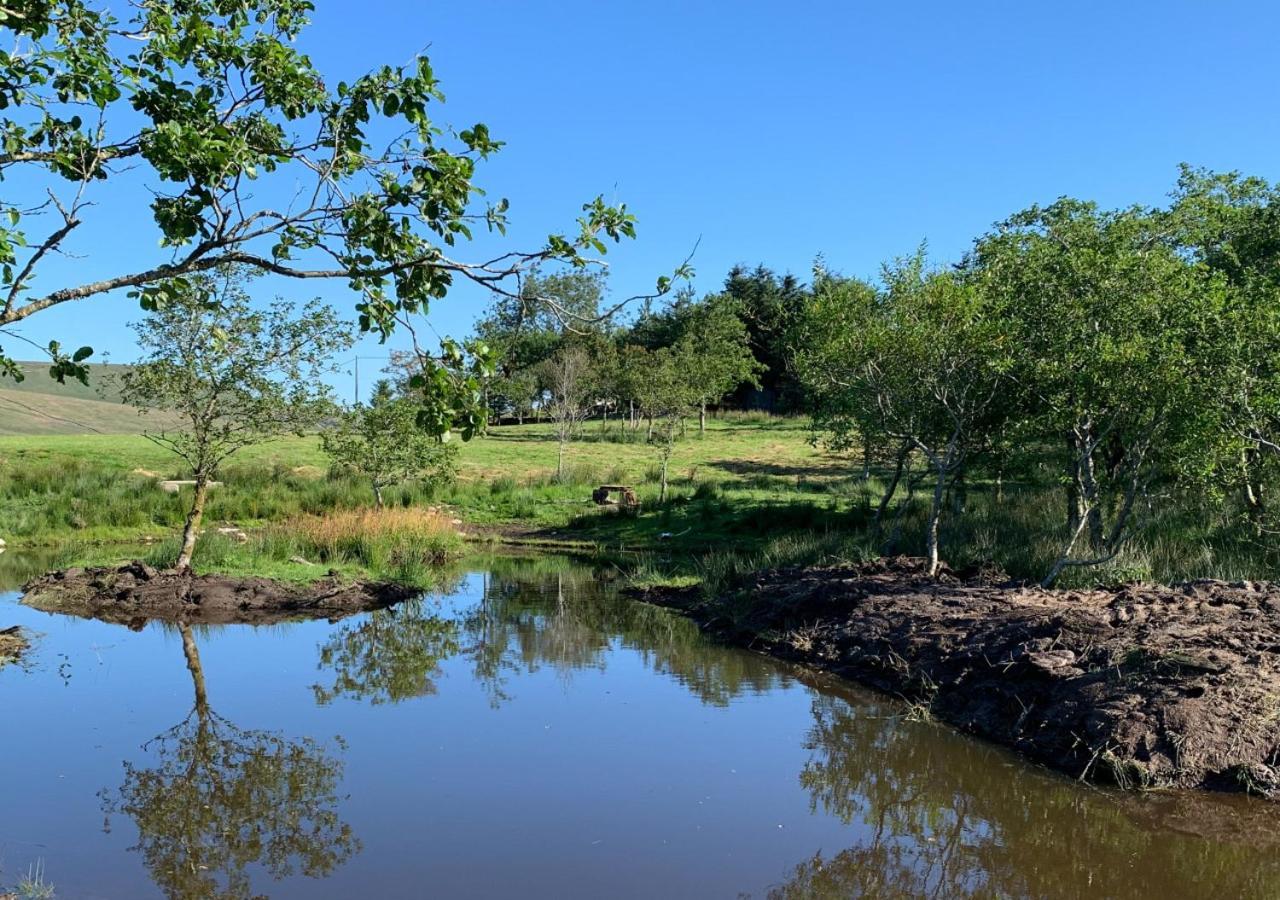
529 731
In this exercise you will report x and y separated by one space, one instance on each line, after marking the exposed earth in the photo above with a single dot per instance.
136 593
1143 686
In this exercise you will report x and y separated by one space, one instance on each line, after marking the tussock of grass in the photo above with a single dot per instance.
377 539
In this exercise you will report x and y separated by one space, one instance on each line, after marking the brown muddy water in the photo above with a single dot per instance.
528 732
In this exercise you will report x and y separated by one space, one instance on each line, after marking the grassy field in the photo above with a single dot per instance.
752 492
38 405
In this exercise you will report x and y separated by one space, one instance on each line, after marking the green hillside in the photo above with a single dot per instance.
39 405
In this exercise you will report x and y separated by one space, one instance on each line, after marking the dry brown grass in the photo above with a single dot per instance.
392 537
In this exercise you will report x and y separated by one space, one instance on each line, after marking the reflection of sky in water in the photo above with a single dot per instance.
568 744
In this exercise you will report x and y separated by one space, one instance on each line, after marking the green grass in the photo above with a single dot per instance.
750 494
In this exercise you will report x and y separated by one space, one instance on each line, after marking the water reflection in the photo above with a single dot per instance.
900 808
549 612
220 801
948 817
388 656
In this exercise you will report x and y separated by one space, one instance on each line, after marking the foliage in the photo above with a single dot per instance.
921 362
208 120
231 374
383 444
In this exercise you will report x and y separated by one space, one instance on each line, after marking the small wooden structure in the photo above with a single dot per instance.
602 496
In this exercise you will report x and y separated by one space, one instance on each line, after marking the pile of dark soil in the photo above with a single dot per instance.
1143 686
133 594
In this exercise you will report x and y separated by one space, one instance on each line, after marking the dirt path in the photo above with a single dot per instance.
133 594
1143 686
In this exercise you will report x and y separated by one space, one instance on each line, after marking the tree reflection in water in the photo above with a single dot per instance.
388 656
536 613
944 816
222 800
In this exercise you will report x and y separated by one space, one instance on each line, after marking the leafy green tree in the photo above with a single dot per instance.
770 306
207 121
570 378
230 374
527 329
383 444
715 343
922 362
1231 224
1111 322
668 392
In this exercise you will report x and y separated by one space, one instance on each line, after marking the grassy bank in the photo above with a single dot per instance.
749 494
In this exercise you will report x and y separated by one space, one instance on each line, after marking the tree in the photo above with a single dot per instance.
233 375
1231 224
570 381
715 342
1111 321
383 444
922 362
770 306
205 123
526 330
668 392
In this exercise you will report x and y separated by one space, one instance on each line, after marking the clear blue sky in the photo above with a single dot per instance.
777 131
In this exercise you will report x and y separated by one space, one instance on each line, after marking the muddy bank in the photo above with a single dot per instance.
12 645
1142 686
133 594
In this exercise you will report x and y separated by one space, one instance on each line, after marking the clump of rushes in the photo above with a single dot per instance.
380 540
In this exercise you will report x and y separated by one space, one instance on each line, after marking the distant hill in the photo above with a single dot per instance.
39 405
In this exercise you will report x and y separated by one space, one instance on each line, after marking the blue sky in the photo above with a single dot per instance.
773 132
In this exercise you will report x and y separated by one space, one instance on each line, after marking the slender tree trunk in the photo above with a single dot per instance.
702 418
191 530
866 460
377 495
935 515
892 489
649 436
662 490
1075 497
1089 488
560 459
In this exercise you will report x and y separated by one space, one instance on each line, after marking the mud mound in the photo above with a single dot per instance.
1143 686
133 594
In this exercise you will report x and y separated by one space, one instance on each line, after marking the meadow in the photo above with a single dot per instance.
752 492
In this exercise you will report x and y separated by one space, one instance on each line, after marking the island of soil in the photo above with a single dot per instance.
134 594
1143 686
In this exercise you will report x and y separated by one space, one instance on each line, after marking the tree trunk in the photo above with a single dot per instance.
662 491
866 460
191 530
892 489
1089 488
649 436
377 495
935 516
702 418
560 460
